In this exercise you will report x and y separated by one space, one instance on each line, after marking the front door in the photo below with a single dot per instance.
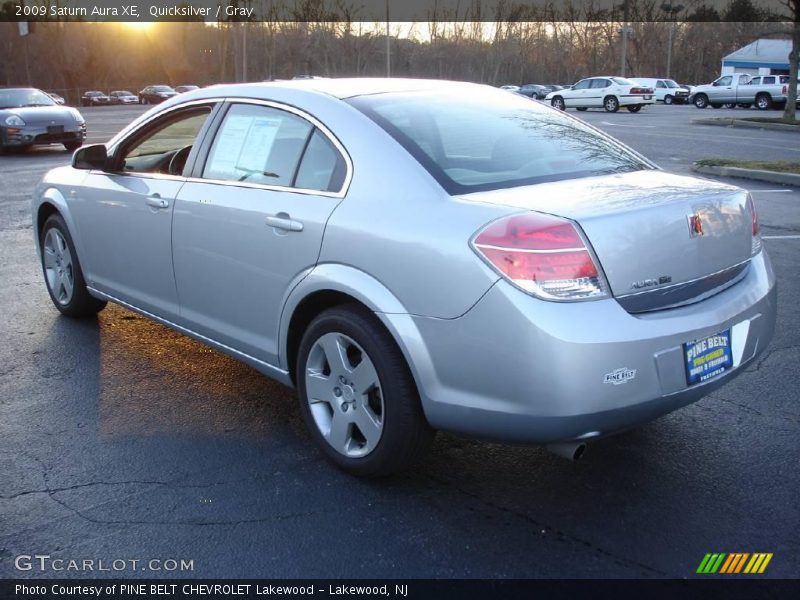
125 215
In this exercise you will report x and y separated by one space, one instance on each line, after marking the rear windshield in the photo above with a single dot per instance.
489 140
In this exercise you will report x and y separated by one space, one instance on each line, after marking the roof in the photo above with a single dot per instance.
762 52
362 86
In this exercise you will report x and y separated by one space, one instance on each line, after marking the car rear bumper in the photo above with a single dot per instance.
515 368
35 135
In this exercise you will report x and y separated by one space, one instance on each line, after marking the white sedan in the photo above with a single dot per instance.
603 92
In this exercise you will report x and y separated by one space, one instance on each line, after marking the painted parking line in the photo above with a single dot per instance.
780 237
621 125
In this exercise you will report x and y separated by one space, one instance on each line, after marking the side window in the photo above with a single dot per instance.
583 84
660 84
768 80
168 139
258 144
600 83
725 80
322 167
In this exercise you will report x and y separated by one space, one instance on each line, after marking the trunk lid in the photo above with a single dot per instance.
661 239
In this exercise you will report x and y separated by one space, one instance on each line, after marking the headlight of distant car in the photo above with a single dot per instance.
15 121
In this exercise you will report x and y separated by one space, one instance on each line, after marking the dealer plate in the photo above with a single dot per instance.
708 357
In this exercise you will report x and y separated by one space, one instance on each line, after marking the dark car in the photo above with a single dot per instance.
155 94
123 97
186 88
533 90
94 98
30 117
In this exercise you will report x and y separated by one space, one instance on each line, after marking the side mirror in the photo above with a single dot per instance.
90 157
716 83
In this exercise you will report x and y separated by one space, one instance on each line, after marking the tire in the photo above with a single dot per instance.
611 104
72 146
634 108
763 101
558 102
396 433
581 108
701 101
59 266
668 99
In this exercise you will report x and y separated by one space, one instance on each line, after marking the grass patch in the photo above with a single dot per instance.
778 120
781 166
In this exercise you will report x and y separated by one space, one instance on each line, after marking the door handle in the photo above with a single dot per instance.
283 221
156 201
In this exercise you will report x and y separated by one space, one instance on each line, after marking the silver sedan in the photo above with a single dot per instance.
413 256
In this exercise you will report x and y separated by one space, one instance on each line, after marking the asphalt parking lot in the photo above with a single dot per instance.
120 439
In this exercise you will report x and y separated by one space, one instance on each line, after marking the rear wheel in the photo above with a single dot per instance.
357 394
634 108
701 101
62 271
668 99
763 101
558 102
611 104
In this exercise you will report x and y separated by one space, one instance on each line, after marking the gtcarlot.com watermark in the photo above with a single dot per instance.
44 563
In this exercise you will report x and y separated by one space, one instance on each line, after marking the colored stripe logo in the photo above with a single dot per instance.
733 563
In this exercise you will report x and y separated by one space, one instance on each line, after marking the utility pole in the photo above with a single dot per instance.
624 31
388 44
672 10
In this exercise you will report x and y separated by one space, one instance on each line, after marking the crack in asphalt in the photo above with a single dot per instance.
560 535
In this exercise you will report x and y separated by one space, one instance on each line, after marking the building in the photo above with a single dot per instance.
762 57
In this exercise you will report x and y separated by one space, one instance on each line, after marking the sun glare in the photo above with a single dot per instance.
140 25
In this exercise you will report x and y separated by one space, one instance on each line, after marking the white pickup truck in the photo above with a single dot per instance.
739 89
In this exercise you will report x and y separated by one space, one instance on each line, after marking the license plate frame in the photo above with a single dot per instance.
707 357
55 129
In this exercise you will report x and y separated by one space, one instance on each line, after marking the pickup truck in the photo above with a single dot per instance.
739 89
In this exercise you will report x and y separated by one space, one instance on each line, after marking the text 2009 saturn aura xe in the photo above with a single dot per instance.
416 255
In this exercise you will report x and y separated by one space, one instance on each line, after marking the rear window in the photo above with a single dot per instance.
486 140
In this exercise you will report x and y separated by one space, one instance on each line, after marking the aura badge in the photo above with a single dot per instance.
695 225
734 563
619 376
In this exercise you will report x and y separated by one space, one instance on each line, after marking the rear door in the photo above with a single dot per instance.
250 221
597 92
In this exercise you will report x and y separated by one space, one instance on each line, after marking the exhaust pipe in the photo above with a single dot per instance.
569 450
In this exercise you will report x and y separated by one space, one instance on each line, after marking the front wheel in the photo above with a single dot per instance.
357 394
558 102
62 271
634 108
701 101
668 99
611 104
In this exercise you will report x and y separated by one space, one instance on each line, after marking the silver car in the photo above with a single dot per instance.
416 255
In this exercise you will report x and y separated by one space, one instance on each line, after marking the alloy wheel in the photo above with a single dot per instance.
58 266
344 394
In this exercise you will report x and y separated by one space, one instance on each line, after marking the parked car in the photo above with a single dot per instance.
666 90
94 98
532 90
155 94
30 117
56 98
603 92
186 88
739 88
123 97
559 288
510 88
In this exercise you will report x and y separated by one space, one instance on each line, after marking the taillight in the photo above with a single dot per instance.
756 228
544 255
638 90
